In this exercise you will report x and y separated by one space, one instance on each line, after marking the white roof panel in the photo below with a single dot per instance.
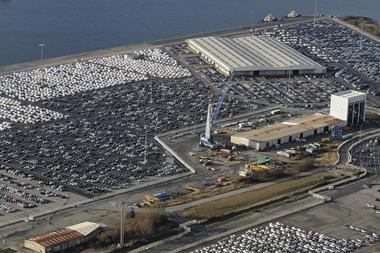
85 228
251 53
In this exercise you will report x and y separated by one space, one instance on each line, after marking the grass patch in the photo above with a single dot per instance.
369 25
243 200
327 155
7 250
145 226
204 193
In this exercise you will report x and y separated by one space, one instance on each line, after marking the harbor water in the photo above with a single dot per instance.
72 26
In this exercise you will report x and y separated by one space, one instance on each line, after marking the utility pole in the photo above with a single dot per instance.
122 224
146 146
42 61
254 22
145 36
315 12
151 90
361 36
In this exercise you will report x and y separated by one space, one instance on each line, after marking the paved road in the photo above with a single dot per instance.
343 150
201 233
357 185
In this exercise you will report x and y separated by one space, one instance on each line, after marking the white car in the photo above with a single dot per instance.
370 205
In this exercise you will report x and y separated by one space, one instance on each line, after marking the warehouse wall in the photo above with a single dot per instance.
34 246
240 140
263 145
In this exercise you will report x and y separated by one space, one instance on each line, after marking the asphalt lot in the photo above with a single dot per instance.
331 218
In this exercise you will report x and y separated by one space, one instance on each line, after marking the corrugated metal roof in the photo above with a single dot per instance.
56 238
67 234
292 127
85 228
252 53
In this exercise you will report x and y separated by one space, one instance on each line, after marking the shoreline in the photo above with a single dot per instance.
70 58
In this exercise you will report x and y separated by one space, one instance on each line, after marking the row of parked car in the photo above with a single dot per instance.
301 44
23 194
7 208
346 45
15 111
352 79
295 91
278 237
68 79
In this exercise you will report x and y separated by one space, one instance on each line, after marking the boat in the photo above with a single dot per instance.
293 14
269 18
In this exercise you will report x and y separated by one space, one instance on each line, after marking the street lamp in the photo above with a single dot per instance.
42 60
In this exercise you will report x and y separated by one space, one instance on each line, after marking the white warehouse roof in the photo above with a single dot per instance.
252 53
85 228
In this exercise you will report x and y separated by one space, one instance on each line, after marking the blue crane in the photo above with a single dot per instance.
213 114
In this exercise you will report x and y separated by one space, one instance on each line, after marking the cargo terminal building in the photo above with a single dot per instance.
347 108
253 56
280 133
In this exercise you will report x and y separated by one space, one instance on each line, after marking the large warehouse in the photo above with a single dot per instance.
280 133
253 56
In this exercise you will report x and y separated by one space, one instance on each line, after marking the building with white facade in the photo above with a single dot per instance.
349 106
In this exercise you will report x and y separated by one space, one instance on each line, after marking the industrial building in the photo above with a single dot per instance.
253 56
346 108
280 133
64 239
349 106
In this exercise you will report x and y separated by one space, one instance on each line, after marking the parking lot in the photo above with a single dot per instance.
347 46
368 155
294 91
80 128
344 217
68 79
99 147
23 197
278 237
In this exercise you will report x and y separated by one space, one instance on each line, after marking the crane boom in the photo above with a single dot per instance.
213 114
216 112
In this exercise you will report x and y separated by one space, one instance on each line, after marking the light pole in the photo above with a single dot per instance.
121 245
41 45
254 22
361 36
315 12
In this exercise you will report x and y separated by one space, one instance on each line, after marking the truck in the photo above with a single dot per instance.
275 112
162 196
